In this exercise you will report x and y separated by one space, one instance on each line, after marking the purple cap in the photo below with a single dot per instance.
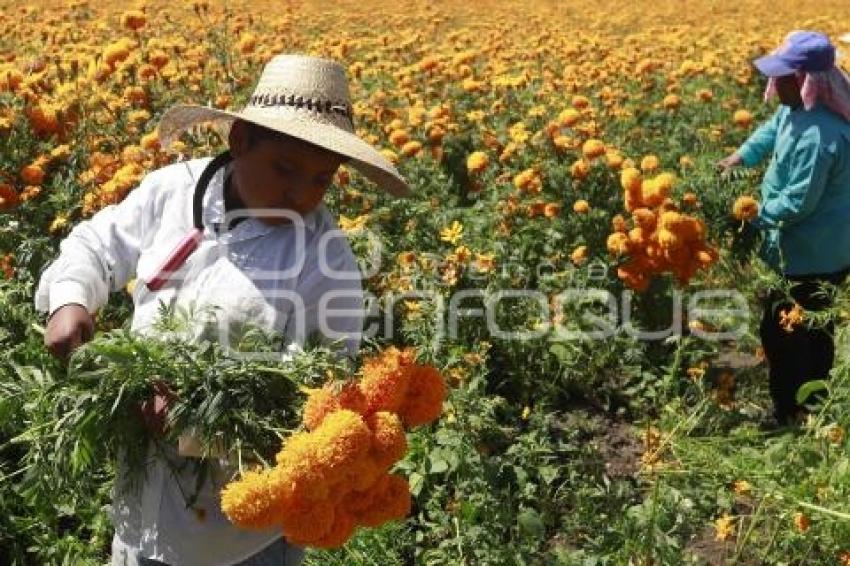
807 51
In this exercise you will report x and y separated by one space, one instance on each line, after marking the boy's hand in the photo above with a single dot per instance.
154 412
68 328
728 162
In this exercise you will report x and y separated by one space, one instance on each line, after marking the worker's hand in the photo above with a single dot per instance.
728 162
154 412
69 327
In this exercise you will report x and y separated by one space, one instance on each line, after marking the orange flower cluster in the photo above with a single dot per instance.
335 476
662 239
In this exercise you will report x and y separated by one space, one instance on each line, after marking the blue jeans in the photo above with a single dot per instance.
279 553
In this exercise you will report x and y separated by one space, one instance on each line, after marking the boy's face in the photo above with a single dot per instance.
280 174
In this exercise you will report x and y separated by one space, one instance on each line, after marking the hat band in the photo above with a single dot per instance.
269 100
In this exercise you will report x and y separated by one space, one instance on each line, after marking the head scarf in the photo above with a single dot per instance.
830 88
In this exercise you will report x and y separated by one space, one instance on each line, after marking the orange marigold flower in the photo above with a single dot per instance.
580 169
593 148
32 174
330 398
742 118
385 382
254 501
618 244
801 522
341 530
581 206
8 197
391 501
552 209
411 148
579 255
342 438
423 401
671 102
649 163
389 442
745 208
644 218
309 522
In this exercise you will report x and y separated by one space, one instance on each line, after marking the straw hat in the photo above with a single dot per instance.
306 98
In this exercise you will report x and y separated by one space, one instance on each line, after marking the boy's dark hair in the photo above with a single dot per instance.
257 133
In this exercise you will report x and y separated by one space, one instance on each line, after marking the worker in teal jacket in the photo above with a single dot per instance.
804 211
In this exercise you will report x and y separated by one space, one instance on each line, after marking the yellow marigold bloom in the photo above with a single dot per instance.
580 169
742 118
477 162
452 233
579 255
390 155
58 223
117 51
426 392
339 440
614 160
724 527
671 102
581 206
569 117
389 443
631 179
593 148
134 20
524 179
618 244
649 163
411 148
745 208
686 161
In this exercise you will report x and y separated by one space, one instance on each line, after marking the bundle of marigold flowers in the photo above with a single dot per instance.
661 238
335 476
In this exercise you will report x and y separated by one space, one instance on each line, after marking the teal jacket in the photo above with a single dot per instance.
805 195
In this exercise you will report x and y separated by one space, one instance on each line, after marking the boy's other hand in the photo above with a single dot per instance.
68 328
728 162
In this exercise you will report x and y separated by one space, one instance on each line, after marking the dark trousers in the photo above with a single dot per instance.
803 354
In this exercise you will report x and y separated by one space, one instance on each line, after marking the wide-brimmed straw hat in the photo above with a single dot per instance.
303 97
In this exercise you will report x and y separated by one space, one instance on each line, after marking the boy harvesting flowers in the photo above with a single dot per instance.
244 233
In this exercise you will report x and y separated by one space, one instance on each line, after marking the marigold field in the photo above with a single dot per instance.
551 146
